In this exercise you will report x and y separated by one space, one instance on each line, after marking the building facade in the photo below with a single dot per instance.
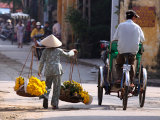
149 12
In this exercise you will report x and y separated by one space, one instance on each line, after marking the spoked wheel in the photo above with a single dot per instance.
100 88
142 96
143 85
125 91
125 97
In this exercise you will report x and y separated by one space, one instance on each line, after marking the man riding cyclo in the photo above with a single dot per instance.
129 36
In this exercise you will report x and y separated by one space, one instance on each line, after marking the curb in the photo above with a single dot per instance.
88 64
153 84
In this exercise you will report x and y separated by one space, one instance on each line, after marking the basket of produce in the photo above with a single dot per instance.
73 92
33 87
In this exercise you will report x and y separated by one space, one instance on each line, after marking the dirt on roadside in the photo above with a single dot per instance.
14 107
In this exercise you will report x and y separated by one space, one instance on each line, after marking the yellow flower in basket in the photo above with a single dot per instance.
76 89
36 87
85 97
18 83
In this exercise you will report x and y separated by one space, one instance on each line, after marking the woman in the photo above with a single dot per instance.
20 33
53 69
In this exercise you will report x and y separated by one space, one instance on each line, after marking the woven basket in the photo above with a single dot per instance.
21 92
65 96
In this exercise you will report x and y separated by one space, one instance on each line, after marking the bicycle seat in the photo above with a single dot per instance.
127 54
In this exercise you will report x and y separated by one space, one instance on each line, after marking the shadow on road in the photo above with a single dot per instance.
62 108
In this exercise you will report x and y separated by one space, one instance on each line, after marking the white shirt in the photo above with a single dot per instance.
129 35
56 29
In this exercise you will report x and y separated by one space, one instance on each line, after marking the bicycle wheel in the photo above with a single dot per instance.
100 88
143 85
125 97
125 91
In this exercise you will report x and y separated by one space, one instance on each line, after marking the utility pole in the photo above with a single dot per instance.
114 17
89 12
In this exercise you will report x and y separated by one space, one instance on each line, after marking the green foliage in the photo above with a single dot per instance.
72 86
89 36
79 25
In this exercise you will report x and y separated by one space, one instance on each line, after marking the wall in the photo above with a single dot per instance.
152 34
65 27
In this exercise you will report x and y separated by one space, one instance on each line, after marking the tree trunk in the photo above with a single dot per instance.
40 11
84 8
89 12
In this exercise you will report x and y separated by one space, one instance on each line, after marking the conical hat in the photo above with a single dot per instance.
51 41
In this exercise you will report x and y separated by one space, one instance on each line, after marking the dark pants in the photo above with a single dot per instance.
39 52
119 66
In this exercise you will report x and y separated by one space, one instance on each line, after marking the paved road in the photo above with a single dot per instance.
13 58
13 107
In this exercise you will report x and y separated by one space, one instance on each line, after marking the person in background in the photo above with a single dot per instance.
3 23
37 31
33 24
20 33
56 29
47 30
28 31
53 68
37 35
9 25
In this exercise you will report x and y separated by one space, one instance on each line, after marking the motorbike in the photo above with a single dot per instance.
37 39
104 50
6 34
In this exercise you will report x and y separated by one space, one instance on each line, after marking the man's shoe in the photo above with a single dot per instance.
45 103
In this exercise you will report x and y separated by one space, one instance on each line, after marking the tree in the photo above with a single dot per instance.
89 32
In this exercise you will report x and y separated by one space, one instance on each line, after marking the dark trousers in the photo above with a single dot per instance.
119 66
39 52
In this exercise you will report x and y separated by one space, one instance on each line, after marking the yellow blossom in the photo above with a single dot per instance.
76 89
36 87
19 82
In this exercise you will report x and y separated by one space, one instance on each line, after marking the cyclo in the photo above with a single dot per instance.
107 76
